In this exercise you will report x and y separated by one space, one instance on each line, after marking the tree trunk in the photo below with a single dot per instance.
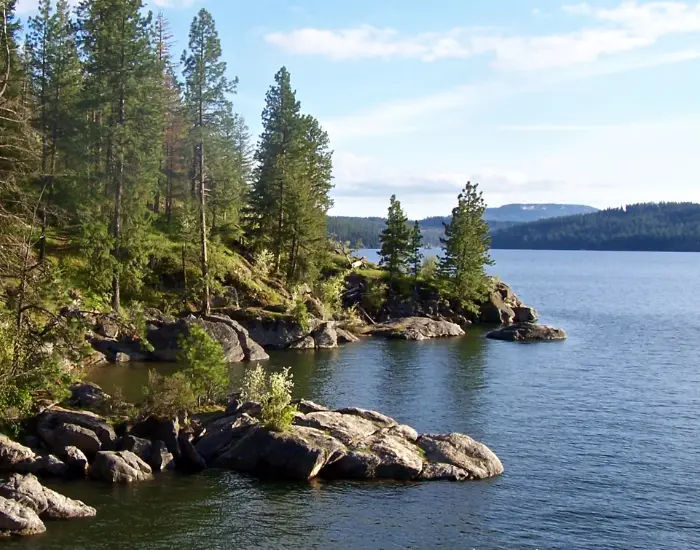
206 309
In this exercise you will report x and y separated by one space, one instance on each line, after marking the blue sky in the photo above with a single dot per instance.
539 101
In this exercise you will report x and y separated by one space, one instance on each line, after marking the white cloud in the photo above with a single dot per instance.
627 27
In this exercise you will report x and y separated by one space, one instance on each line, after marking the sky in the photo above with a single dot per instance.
538 101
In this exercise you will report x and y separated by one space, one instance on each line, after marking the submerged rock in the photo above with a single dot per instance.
417 328
527 332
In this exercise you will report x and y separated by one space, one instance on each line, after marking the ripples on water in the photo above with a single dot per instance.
599 435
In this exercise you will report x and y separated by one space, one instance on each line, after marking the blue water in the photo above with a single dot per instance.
599 435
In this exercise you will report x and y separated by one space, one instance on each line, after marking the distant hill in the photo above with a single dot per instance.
650 226
366 230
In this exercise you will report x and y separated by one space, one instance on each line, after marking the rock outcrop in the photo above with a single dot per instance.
346 443
60 428
417 328
527 332
503 307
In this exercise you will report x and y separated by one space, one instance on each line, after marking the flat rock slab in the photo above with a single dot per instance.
417 328
527 332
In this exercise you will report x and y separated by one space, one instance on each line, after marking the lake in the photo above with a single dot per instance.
599 435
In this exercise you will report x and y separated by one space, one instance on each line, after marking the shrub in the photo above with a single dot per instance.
332 294
204 364
428 270
263 262
167 396
274 393
375 297
299 310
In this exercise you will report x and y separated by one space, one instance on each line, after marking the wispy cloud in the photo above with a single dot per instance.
625 28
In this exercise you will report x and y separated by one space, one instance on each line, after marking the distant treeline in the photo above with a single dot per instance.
649 226
364 232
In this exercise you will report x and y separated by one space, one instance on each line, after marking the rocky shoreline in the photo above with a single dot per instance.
248 334
347 443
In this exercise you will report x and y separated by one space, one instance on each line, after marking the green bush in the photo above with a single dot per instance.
429 269
375 297
332 295
274 393
204 365
298 309
168 396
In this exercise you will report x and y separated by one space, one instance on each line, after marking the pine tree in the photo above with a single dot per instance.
206 87
466 248
415 255
123 113
278 158
289 198
395 239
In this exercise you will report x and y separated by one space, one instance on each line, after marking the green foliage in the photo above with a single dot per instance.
331 291
204 364
395 239
289 197
414 250
263 262
274 393
376 295
466 249
429 268
168 396
298 309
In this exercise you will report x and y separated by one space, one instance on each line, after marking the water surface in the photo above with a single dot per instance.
599 435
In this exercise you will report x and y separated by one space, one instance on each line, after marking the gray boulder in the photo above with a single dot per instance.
19 520
527 332
87 395
325 336
76 462
72 435
297 454
222 434
119 467
160 458
233 337
190 460
524 314
47 503
48 465
461 451
307 342
14 457
51 419
165 430
417 328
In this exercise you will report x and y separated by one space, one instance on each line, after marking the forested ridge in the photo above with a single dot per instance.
649 226
365 231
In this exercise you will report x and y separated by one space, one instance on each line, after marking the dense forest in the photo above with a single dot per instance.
127 179
364 232
650 226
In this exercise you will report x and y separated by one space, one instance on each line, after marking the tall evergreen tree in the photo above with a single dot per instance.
415 256
395 239
289 198
206 87
466 248
124 114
